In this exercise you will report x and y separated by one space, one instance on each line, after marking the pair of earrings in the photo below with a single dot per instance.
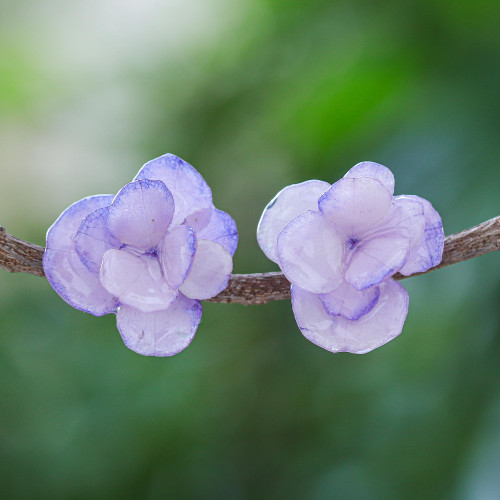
151 253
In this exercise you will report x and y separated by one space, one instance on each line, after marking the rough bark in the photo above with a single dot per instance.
20 256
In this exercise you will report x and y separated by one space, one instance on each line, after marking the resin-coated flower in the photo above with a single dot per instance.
148 254
340 244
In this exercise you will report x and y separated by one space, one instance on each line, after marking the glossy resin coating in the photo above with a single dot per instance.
148 254
340 244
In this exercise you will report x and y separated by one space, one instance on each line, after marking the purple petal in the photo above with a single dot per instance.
177 251
429 252
375 171
384 248
285 206
64 270
311 317
405 219
141 213
376 259
310 253
191 192
215 225
93 239
348 302
160 333
136 280
356 205
210 272
337 334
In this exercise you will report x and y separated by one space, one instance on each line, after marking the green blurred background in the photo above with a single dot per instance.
256 94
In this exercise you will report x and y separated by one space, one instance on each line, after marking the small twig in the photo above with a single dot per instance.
20 256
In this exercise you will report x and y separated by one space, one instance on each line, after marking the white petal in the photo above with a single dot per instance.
346 301
136 280
177 251
215 225
312 318
210 272
429 251
355 205
191 192
385 247
141 213
376 259
375 171
290 202
65 271
310 253
93 239
404 219
337 334
160 333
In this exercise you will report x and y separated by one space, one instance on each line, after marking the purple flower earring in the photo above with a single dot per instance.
340 244
148 254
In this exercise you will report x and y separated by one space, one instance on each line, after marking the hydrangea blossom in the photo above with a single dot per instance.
148 254
340 244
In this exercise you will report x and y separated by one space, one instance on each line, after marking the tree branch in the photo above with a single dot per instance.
20 256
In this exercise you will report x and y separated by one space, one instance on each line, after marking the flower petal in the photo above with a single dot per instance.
429 252
93 239
355 205
375 171
136 280
312 319
215 225
191 192
210 272
160 333
177 251
141 213
285 206
348 302
310 253
376 259
64 270
337 334
404 219
384 248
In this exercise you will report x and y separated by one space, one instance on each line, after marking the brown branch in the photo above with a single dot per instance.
19 256
261 288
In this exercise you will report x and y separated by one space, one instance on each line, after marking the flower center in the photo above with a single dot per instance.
351 243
